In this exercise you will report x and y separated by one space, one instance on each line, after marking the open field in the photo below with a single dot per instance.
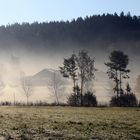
49 123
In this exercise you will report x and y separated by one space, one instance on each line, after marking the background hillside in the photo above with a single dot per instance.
85 31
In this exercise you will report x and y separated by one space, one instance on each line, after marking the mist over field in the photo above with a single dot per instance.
31 62
40 48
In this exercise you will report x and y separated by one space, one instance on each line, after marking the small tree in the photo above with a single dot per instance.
26 87
56 85
117 69
127 99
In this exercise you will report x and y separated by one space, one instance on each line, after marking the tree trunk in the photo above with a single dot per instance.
120 82
82 84
117 84
74 86
56 97
14 100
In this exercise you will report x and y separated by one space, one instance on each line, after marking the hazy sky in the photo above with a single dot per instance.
12 11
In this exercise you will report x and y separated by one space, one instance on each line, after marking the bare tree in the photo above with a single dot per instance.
26 87
56 85
2 84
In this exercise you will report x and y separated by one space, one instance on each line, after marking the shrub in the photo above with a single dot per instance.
89 99
6 103
124 100
74 100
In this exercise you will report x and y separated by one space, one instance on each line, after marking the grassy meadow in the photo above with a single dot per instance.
69 123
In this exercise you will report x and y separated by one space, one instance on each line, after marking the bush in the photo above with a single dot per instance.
89 99
124 100
139 105
6 103
74 100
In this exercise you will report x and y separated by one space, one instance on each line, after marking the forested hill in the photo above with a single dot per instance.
107 27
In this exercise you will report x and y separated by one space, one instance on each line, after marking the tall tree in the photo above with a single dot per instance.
69 69
79 67
86 69
117 69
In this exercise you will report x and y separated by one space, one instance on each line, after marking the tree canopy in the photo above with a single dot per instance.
117 69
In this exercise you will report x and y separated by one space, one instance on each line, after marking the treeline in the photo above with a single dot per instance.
109 27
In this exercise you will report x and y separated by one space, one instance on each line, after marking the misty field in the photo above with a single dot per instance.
50 123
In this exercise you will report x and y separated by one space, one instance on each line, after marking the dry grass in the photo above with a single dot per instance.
46 123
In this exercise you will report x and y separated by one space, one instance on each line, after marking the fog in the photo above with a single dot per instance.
19 58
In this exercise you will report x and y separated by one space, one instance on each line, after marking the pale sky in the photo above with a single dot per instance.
12 11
